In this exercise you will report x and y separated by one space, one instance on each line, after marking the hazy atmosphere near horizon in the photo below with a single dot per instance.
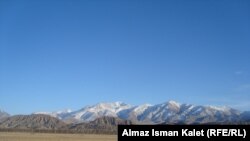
58 54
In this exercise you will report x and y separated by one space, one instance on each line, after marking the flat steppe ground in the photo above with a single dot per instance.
18 136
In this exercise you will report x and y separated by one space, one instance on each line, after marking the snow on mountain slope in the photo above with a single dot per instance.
133 113
160 112
59 114
91 113
168 112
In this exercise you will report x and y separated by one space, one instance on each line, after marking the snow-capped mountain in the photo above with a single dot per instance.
59 114
91 113
168 112
133 112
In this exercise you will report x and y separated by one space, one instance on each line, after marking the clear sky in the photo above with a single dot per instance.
57 54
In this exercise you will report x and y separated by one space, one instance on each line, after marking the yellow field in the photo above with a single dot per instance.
4 136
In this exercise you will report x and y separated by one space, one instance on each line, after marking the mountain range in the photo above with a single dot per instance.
169 112
104 117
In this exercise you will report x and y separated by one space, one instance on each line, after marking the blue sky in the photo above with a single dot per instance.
68 54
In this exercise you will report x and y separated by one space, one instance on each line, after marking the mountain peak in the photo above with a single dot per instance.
111 104
172 102
64 111
142 108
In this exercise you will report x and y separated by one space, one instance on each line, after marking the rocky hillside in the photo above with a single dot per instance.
32 122
46 123
100 125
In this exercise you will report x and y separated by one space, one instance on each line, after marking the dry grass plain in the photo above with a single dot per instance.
16 136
